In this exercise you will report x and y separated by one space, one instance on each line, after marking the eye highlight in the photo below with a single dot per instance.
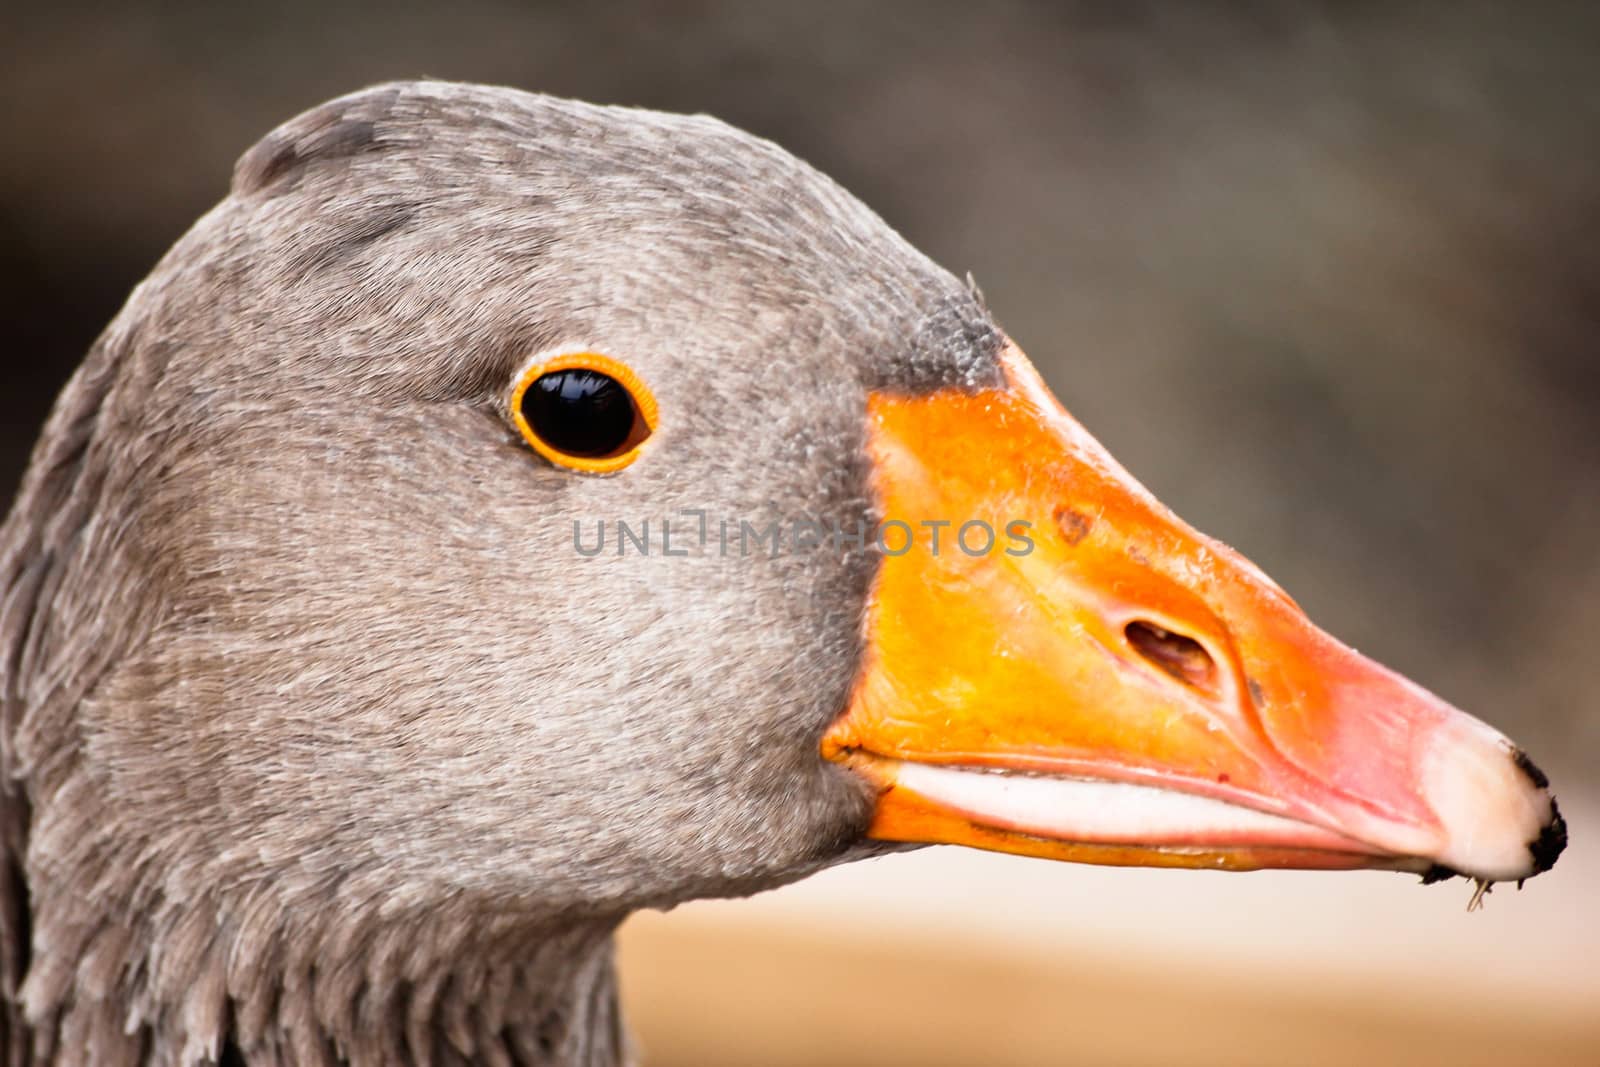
584 411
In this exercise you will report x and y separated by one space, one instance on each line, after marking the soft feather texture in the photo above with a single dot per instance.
321 744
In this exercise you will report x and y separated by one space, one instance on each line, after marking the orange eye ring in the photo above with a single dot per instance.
583 411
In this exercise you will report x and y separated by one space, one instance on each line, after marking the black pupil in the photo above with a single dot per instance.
580 412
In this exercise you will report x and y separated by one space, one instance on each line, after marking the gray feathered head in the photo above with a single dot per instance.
299 632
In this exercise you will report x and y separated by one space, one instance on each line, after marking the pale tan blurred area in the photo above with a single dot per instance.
1325 276
951 958
956 959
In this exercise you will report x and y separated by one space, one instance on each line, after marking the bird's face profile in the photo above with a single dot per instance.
376 645
501 505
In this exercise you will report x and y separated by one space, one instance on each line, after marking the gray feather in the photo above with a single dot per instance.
320 743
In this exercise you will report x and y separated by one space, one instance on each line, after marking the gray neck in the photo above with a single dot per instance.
255 982
116 947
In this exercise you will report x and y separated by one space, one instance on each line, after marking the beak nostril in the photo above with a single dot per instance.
1182 657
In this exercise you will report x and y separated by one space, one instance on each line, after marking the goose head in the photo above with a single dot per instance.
502 513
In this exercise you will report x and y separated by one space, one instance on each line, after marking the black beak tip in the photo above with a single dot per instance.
1544 850
1550 843
1552 840
1529 768
1439 873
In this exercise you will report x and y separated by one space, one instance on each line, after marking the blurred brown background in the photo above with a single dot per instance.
1325 276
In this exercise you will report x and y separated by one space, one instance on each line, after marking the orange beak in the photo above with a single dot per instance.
1058 666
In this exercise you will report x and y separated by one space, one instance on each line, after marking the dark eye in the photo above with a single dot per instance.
581 412
587 412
